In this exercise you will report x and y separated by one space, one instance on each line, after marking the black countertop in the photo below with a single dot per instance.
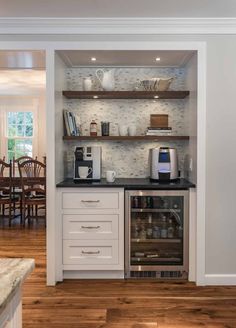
129 184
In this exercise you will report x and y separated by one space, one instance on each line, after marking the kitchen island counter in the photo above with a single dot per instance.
129 184
13 272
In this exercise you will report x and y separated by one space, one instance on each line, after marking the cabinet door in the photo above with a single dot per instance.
90 226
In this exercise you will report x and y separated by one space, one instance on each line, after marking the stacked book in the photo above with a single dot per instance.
71 126
159 131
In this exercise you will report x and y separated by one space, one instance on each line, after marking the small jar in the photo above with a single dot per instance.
93 128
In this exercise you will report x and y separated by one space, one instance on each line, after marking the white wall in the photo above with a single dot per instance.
220 141
191 116
60 84
42 126
108 8
221 156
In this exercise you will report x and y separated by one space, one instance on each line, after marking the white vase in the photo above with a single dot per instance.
87 84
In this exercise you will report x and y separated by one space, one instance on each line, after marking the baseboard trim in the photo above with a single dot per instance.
93 274
220 279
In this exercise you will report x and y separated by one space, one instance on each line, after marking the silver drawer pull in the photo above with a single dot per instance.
90 227
90 253
90 201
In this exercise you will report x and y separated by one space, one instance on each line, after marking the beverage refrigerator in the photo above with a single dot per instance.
156 234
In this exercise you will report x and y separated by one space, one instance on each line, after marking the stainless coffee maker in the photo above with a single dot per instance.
163 164
87 164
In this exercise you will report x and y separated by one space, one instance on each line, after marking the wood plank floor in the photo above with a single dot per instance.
113 304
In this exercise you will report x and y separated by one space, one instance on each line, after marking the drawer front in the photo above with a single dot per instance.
89 252
90 200
89 226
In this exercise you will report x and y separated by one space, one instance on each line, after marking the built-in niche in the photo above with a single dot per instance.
128 159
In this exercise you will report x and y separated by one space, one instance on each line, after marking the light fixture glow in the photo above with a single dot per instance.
95 97
158 58
93 58
156 97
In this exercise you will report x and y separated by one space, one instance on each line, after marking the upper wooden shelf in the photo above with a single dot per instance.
127 138
125 94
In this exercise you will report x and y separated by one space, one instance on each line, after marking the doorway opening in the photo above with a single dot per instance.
22 138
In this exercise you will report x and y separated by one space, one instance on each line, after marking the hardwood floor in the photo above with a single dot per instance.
112 304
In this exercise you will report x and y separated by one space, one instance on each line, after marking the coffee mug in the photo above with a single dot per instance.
84 171
132 130
110 176
123 130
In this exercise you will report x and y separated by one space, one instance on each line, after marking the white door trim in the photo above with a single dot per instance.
200 47
117 25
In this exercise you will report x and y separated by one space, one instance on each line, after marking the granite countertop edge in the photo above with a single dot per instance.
128 183
13 272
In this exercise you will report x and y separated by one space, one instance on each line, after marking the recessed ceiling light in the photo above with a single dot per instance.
95 97
93 58
158 58
156 97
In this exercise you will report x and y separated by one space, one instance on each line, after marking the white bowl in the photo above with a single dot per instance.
156 84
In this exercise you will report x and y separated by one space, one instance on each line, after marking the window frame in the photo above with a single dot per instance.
4 126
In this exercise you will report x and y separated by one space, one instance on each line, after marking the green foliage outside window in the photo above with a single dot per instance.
20 134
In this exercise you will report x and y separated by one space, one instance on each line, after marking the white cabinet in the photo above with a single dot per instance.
91 253
92 232
90 200
90 226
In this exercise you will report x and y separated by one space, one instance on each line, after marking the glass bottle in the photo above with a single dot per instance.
149 227
149 202
164 227
170 229
93 129
156 232
166 204
135 202
144 202
136 231
143 233
137 228
180 231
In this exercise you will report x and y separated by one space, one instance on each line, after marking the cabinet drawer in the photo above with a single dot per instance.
90 252
90 200
89 226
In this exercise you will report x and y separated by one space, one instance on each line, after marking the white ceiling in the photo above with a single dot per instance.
10 59
22 82
74 58
118 8
23 72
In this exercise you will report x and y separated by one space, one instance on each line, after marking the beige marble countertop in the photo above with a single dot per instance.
13 272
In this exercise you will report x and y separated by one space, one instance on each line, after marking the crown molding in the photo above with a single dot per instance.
34 25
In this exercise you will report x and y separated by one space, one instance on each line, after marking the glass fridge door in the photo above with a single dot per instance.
157 231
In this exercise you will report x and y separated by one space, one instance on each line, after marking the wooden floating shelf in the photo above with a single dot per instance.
125 94
126 138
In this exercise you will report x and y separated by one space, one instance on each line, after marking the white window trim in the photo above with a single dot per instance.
6 108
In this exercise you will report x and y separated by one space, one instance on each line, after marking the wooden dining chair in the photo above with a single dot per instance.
17 161
33 184
7 198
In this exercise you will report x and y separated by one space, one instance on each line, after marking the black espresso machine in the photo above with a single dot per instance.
87 165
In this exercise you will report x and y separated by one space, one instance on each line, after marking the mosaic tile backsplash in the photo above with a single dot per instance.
128 159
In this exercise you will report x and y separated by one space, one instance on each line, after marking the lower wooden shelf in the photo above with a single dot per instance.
126 138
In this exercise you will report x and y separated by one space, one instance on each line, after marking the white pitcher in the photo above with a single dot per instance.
106 78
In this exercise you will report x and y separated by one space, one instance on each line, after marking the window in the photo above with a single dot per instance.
20 133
